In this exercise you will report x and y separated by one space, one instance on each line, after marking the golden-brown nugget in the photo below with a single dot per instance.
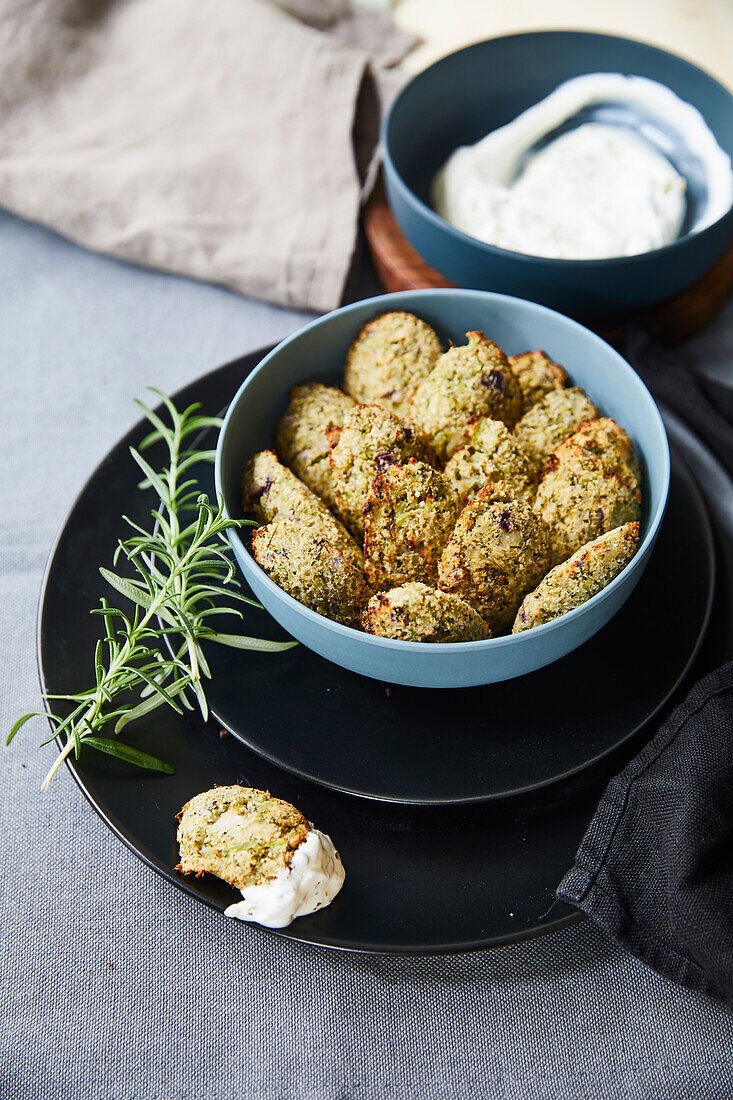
243 835
590 486
583 575
537 375
409 515
498 551
414 612
471 380
371 439
550 421
390 356
311 570
307 431
271 491
491 454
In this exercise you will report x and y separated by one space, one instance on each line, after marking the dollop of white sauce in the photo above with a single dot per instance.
592 193
312 881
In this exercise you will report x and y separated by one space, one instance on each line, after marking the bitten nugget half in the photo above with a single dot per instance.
583 575
390 356
498 551
415 612
471 380
550 421
537 375
371 439
311 570
243 835
491 454
307 431
590 486
409 515
271 491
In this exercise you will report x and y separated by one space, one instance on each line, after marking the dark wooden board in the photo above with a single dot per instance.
400 267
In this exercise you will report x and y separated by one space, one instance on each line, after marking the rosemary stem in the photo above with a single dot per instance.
179 585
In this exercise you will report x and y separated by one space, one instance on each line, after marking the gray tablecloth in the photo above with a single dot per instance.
116 986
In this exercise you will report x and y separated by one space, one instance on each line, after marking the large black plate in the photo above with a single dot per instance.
419 879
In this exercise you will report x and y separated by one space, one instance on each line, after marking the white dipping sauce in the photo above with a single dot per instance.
312 880
594 192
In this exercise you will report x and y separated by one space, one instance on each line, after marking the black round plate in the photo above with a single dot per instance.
419 879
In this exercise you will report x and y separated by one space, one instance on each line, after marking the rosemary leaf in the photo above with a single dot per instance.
128 754
238 641
21 722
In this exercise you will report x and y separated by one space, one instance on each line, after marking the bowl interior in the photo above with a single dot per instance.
318 352
466 95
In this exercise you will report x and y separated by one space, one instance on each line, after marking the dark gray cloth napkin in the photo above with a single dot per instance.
705 405
655 868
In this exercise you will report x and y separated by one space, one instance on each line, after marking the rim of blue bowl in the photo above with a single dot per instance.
441 223
526 637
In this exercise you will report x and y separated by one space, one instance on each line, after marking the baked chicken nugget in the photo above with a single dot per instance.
537 375
311 570
308 430
409 515
243 835
550 421
371 439
390 356
471 380
414 612
497 553
584 574
491 453
590 486
271 491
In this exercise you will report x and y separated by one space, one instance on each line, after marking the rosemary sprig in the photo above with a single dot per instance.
181 571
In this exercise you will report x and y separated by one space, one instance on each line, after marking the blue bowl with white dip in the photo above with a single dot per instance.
531 187
317 352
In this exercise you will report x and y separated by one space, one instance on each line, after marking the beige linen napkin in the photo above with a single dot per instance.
213 138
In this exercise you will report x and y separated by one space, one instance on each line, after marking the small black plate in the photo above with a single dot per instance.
430 748
419 879
412 745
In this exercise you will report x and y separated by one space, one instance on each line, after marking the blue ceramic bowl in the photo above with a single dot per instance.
318 352
469 93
